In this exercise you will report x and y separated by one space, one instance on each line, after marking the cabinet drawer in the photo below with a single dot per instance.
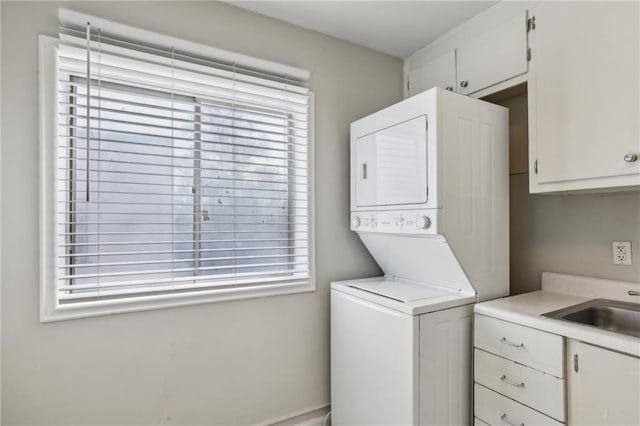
533 388
534 348
498 410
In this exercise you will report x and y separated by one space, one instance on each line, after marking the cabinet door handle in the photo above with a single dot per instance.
630 158
515 345
464 83
364 171
633 293
505 419
505 379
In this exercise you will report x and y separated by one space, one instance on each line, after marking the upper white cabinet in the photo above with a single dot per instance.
584 96
439 71
495 56
581 65
603 386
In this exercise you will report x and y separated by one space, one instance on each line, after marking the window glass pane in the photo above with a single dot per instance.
246 188
138 221
178 188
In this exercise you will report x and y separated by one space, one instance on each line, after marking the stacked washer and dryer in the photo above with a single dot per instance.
429 200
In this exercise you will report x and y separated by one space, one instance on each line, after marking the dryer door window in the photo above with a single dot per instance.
391 165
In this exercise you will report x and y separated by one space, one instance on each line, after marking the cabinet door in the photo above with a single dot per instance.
584 92
373 363
498 55
604 386
440 72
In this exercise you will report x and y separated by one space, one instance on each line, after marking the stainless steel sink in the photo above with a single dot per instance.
619 317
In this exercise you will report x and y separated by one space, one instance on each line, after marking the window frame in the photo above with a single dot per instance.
50 308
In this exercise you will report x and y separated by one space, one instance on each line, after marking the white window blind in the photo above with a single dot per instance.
175 173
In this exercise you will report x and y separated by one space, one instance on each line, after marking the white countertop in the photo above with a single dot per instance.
560 291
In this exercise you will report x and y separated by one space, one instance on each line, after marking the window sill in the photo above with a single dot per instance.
136 304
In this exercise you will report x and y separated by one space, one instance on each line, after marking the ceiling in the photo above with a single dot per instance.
398 28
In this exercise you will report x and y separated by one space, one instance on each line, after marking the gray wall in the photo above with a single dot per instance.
570 234
564 233
231 363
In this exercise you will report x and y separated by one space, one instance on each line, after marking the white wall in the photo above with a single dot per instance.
226 363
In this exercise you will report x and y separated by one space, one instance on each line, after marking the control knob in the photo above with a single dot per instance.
423 222
355 221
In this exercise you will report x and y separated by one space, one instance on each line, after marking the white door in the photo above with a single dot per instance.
498 55
391 165
373 363
603 386
438 72
587 90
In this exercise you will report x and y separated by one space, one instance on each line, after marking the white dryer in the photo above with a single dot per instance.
429 200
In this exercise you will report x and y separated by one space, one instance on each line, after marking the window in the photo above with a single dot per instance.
185 181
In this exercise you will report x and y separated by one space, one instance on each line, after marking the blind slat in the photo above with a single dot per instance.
155 112
219 95
175 242
159 105
190 185
173 138
154 252
285 147
109 64
179 270
150 286
184 260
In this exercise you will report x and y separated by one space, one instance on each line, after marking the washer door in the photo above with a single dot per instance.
374 363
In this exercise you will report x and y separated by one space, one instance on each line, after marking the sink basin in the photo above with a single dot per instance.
619 317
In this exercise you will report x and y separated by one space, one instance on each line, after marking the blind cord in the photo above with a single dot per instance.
173 212
99 100
88 135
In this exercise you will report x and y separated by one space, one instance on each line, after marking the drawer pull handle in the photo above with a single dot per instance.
515 345
633 293
511 382
505 419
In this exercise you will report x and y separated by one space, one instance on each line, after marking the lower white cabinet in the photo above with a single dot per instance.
524 345
603 386
531 387
495 409
521 377
518 373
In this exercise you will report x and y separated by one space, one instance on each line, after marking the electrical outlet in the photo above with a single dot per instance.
621 252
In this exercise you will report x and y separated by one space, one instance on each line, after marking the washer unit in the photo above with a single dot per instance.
429 200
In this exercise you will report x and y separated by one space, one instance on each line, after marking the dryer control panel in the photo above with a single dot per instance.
396 222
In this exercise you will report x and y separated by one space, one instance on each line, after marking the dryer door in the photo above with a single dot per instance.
391 165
